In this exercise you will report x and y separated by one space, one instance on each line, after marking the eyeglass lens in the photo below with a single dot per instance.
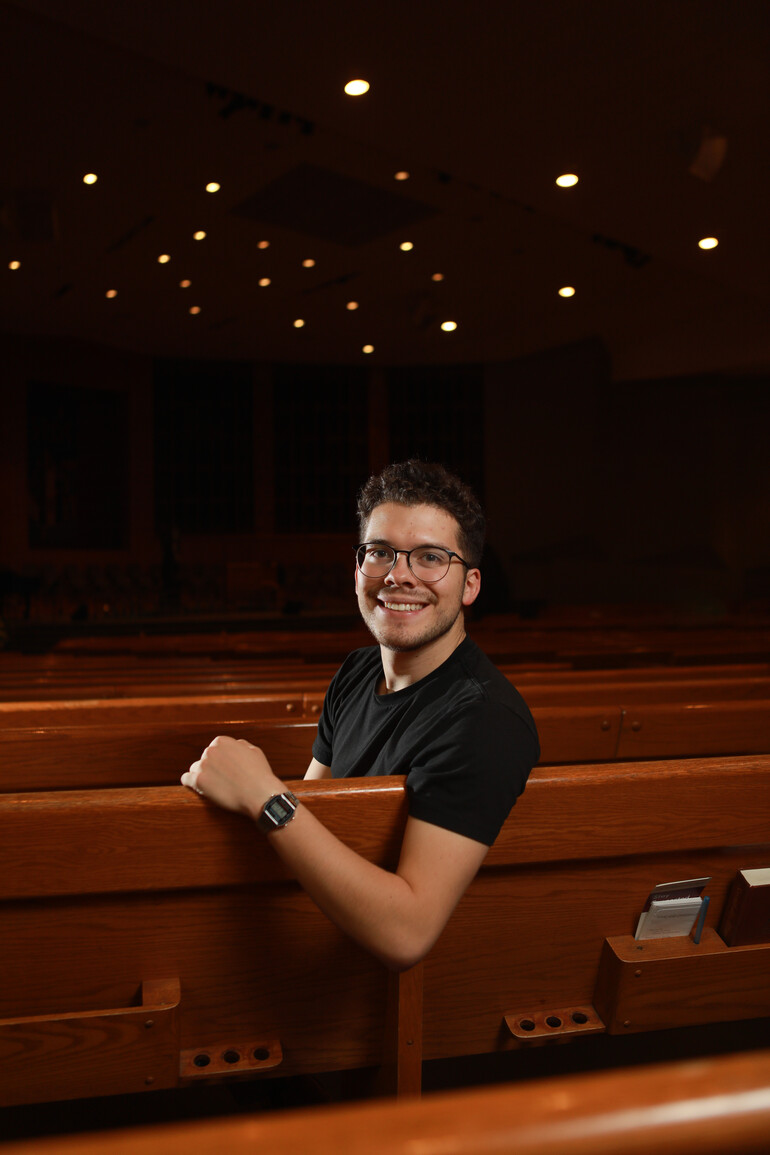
427 562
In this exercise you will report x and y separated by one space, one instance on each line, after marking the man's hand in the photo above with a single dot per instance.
235 775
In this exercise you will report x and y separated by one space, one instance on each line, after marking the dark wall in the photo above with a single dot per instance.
596 490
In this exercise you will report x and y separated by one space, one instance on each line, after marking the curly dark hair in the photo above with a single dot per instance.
427 483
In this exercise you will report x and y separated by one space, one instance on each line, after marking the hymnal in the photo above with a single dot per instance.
671 909
669 918
746 916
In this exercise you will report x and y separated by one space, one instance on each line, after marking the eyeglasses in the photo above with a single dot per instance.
428 563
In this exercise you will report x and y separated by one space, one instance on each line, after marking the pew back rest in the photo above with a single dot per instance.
136 886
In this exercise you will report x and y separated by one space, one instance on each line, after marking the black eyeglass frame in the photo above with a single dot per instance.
427 581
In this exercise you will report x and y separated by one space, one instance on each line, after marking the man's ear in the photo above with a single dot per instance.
472 586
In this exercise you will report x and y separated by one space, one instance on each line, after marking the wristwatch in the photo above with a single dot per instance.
277 811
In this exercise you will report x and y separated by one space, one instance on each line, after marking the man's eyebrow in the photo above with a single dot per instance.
421 545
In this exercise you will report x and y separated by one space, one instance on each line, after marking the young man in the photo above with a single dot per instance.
424 702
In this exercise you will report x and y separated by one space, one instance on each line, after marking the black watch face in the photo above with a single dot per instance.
280 811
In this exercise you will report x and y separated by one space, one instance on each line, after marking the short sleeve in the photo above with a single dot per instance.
468 777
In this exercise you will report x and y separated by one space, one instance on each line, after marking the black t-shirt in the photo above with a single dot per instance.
463 736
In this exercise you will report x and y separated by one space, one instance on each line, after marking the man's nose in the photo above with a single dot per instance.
401 572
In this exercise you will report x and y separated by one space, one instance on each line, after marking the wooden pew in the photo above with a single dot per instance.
142 745
151 754
128 907
130 748
539 689
216 708
715 1106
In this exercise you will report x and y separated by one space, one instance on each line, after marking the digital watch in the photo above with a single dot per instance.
277 811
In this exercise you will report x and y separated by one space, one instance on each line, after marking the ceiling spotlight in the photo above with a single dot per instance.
406 246
200 235
111 294
368 349
437 277
567 291
213 186
299 324
308 264
264 282
357 87
90 178
352 305
185 284
449 326
708 243
14 264
195 309
567 180
402 175
263 244
164 259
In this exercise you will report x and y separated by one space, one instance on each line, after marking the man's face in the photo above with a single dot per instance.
402 612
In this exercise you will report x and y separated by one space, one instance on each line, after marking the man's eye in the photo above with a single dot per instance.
430 558
378 554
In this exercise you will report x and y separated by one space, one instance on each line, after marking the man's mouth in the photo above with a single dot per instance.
402 607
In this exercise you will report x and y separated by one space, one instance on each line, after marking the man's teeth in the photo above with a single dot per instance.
403 607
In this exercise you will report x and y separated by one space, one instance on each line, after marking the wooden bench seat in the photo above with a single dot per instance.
716 1106
122 907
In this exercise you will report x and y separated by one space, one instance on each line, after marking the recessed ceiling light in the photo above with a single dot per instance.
708 243
195 309
164 259
14 264
352 305
437 277
406 246
401 175
308 264
111 294
213 186
449 326
264 282
200 235
368 349
185 284
299 323
567 291
263 244
357 87
567 180
90 178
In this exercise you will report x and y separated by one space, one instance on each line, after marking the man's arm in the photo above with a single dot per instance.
397 916
317 769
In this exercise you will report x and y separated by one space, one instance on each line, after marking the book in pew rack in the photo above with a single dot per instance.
671 909
746 916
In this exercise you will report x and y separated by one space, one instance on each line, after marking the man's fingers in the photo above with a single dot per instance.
190 778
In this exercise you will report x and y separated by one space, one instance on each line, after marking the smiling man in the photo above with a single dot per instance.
425 702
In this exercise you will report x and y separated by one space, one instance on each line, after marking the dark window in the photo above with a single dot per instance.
436 414
321 447
204 432
77 440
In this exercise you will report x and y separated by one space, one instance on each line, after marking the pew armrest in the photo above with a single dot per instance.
93 1052
654 984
